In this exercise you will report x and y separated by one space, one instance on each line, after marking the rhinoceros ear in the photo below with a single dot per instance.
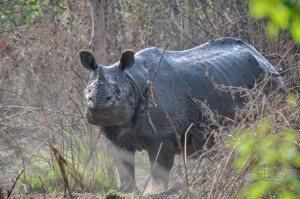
126 60
87 60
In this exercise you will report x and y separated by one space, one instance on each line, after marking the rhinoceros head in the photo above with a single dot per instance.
109 96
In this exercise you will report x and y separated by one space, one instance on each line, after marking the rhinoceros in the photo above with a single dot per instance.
134 99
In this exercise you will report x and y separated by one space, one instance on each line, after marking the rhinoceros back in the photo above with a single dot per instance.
212 71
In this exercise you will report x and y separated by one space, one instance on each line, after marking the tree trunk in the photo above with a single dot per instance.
107 29
114 27
98 41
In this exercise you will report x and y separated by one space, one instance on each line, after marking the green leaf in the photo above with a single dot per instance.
257 190
272 29
295 29
279 15
287 195
259 9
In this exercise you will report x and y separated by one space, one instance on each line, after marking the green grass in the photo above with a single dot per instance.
85 164
97 178
114 194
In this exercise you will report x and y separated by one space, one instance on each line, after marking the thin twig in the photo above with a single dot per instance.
61 163
154 165
43 186
195 23
181 23
211 7
158 65
77 75
288 51
15 182
19 150
187 37
185 142
1 160
22 170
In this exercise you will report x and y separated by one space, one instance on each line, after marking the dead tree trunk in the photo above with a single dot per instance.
107 30
98 40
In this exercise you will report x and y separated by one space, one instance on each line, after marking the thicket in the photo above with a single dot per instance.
42 84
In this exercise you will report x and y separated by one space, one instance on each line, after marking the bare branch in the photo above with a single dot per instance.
195 23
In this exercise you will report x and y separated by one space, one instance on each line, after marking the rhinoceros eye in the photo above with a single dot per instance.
118 91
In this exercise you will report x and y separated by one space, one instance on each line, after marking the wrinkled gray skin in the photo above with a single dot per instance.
117 100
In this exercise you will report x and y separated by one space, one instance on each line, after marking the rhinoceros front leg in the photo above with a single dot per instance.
126 164
161 155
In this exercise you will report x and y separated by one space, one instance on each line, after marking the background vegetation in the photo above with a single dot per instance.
41 95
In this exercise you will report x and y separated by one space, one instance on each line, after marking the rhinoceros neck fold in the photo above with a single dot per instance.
141 98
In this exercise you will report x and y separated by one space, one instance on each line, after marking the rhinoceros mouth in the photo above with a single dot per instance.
96 116
97 108
99 112
104 118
